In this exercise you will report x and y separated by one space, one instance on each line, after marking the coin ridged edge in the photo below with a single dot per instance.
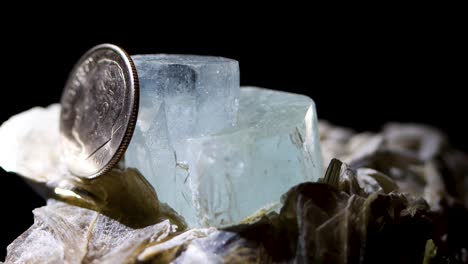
120 152
133 116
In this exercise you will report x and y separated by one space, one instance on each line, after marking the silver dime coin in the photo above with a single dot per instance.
99 110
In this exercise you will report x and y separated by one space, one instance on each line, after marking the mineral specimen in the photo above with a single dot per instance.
26 137
274 145
63 233
400 200
181 96
275 139
32 154
186 89
209 178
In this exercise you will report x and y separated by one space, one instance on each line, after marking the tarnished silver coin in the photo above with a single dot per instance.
99 110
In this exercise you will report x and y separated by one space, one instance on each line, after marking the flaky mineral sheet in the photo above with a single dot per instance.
63 233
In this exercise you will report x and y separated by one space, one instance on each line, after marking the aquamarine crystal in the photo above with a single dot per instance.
213 152
187 88
181 96
274 146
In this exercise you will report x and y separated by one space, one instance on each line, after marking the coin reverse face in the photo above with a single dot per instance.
99 110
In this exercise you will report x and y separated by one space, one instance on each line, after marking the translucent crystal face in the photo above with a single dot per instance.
181 96
274 146
188 87
216 153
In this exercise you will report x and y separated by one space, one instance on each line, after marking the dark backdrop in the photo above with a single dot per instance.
360 75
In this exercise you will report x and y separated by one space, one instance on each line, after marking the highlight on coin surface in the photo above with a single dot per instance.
99 107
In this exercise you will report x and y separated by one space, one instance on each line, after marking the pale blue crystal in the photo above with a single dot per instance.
181 96
274 146
214 153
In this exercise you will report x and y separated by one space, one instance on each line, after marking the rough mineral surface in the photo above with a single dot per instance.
399 199
69 234
29 135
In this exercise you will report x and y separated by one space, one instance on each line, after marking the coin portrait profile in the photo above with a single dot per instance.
99 109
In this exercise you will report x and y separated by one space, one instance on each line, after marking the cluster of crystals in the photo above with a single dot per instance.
215 152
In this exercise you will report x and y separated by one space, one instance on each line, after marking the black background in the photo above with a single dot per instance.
360 72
